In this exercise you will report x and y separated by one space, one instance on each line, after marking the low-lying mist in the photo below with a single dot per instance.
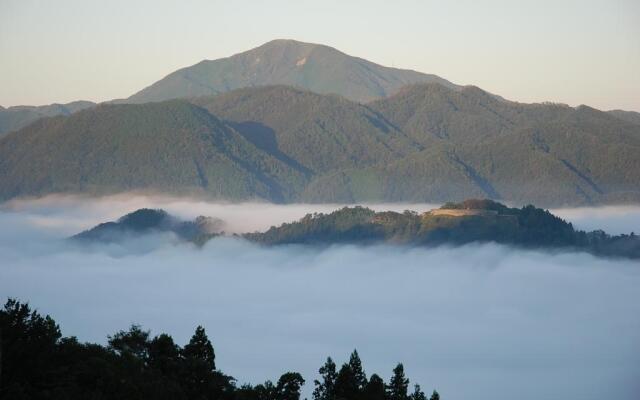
481 321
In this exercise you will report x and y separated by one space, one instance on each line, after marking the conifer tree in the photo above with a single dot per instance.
399 384
200 348
325 390
358 372
346 385
199 365
417 394
375 389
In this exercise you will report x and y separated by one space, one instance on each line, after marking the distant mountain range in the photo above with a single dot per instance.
15 118
431 141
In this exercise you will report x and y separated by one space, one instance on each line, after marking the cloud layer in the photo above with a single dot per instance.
480 322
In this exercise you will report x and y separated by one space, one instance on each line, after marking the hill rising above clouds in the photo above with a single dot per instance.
470 221
149 221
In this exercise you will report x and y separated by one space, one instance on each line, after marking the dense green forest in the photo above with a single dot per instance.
37 362
427 143
454 223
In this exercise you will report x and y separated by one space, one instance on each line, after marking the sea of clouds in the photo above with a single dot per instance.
481 321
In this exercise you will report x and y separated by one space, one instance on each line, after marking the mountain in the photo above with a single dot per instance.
17 117
478 145
432 143
629 116
173 147
147 221
322 133
471 221
315 67
426 143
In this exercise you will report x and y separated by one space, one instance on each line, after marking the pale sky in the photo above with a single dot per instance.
574 52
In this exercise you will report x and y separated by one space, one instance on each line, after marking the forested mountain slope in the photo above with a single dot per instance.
427 143
172 147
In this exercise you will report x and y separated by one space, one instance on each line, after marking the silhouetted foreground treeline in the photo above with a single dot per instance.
38 363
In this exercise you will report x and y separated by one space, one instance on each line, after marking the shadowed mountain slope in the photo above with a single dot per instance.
321 132
173 147
427 143
315 67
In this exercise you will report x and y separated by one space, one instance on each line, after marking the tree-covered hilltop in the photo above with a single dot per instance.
38 363
145 221
470 221
455 224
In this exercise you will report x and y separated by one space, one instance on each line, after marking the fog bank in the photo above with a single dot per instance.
481 322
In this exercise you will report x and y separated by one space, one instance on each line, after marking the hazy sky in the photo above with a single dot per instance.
575 52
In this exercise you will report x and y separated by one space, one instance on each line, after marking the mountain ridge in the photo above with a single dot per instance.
16 117
311 66
427 143
172 146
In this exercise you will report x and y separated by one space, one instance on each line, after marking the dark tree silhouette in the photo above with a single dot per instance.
28 344
200 349
164 355
133 343
375 389
36 362
325 389
417 394
199 359
289 386
398 385
346 384
358 372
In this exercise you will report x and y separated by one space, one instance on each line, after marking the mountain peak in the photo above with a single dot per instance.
315 67
291 44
